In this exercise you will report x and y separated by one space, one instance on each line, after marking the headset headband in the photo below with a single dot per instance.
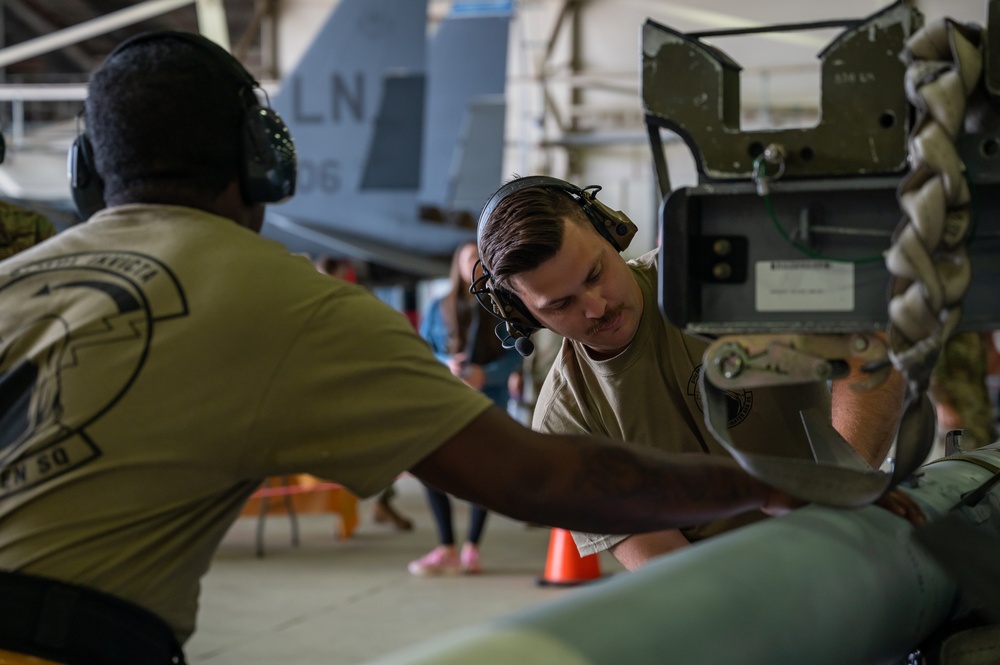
221 55
515 186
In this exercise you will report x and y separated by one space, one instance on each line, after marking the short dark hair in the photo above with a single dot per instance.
525 230
164 117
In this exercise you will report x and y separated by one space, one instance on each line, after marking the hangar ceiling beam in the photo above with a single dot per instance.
213 26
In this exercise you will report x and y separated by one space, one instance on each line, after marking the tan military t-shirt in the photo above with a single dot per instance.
157 362
649 395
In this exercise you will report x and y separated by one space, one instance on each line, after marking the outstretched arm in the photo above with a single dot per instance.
639 548
868 419
587 483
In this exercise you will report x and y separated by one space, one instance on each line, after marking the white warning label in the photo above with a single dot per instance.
804 286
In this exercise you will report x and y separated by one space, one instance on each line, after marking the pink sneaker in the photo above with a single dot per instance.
470 560
442 560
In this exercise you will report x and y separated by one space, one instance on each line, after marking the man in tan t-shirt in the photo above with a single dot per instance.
160 360
550 251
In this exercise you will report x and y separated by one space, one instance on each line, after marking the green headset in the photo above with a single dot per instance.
517 323
269 165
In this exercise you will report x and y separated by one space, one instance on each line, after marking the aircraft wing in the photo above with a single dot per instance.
303 237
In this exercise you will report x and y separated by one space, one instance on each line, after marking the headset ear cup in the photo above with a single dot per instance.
517 319
510 308
269 160
85 184
613 225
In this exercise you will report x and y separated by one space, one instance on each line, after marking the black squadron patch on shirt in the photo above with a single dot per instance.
78 340
738 402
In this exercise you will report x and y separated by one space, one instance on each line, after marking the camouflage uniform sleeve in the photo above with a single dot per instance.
21 228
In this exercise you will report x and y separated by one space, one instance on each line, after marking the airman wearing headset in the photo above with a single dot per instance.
160 360
551 259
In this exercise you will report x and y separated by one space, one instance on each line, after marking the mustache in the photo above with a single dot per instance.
604 320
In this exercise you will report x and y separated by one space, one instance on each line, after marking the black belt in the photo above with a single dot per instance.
79 626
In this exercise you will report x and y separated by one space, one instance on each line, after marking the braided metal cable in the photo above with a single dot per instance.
928 260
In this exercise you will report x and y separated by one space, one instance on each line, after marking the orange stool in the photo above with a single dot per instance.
301 493
11 658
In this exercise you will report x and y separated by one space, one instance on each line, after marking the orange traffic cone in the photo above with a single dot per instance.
564 566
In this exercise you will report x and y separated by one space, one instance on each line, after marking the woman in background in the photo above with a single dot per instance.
461 335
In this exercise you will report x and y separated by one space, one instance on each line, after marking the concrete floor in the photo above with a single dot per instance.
339 602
